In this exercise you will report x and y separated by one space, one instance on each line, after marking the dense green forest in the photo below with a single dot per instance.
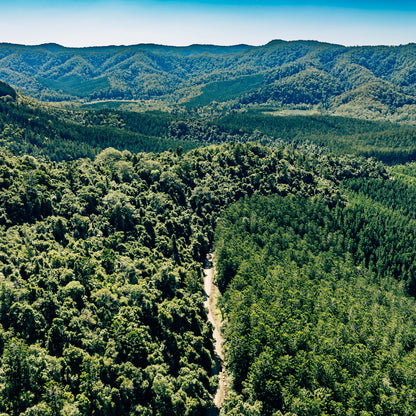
319 308
101 306
107 215
367 82
388 142
45 131
28 127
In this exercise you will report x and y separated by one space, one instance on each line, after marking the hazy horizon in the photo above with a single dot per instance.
195 44
76 23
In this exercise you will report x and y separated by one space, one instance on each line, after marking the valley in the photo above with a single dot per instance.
376 83
124 169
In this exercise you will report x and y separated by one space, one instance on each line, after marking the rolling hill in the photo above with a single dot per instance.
367 82
107 216
45 130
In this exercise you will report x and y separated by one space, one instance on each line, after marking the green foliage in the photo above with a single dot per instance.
309 86
101 301
75 85
58 134
64 135
7 90
102 245
225 90
366 82
315 320
388 142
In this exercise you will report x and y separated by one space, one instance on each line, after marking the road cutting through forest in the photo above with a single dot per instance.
211 293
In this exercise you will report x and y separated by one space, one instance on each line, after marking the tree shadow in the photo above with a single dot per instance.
216 371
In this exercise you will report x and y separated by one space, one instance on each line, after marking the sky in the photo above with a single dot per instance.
79 23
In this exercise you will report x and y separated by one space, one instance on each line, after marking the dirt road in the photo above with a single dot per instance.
211 293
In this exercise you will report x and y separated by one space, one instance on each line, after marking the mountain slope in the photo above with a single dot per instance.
49 131
370 82
29 127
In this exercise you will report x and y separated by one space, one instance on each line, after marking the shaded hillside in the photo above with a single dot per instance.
6 91
370 82
385 141
46 132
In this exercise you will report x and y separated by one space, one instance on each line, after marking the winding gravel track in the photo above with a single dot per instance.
211 293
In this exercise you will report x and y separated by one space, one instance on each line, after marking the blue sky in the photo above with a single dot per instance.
222 22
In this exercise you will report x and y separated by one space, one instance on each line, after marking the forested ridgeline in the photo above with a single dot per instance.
45 131
388 142
101 300
318 303
369 82
6 92
29 127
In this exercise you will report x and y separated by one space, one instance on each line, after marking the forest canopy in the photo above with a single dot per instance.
376 82
318 317
101 307
106 218
28 127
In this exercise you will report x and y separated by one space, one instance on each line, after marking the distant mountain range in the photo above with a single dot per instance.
365 82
